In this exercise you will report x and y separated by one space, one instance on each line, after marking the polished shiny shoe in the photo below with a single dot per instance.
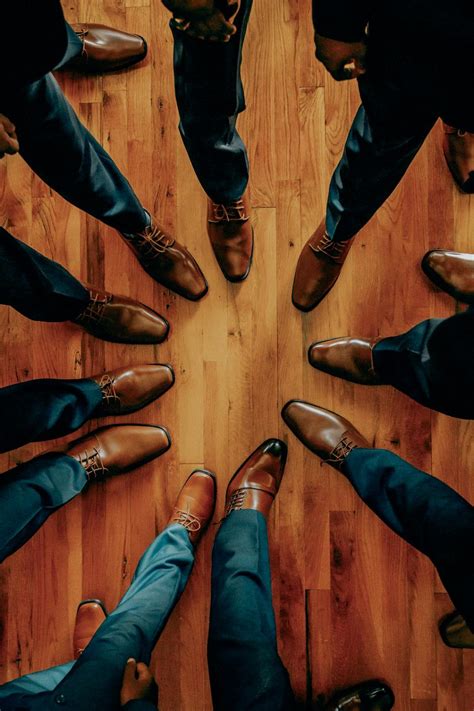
255 484
458 149
348 358
367 696
129 389
105 49
451 271
121 320
231 235
118 449
167 261
325 433
195 504
455 632
89 617
318 268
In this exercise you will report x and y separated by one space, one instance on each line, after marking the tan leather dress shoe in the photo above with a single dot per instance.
348 358
318 268
458 148
451 271
231 235
121 320
126 390
455 632
118 449
167 261
105 49
325 433
195 504
255 484
89 617
367 696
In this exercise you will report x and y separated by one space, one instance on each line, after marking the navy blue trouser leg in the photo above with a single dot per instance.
31 492
37 287
59 148
433 363
44 409
425 512
244 667
210 96
131 630
74 47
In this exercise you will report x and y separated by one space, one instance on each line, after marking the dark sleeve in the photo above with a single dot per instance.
139 705
343 20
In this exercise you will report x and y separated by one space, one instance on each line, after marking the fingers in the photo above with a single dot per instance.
214 28
142 672
8 125
129 674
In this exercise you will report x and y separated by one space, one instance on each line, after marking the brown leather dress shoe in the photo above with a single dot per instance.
167 261
121 320
195 503
255 484
367 696
348 358
451 271
318 268
89 617
458 148
129 389
455 632
231 235
117 449
325 433
105 49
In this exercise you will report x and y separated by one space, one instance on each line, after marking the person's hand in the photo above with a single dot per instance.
343 60
214 23
137 683
8 139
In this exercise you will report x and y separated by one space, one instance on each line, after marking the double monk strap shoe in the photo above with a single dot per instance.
105 49
118 449
257 481
318 268
348 358
167 262
231 235
458 149
371 695
121 320
455 632
325 433
452 272
89 617
195 504
126 390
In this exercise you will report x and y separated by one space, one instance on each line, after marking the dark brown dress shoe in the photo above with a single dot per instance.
455 632
368 696
167 262
117 449
121 320
348 358
195 503
458 148
325 433
129 389
318 268
255 484
105 49
231 235
89 617
451 271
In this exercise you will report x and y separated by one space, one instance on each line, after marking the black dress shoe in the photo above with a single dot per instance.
368 696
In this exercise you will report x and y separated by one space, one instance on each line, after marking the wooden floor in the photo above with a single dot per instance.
352 601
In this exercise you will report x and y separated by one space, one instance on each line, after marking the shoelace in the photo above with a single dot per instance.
107 385
93 464
340 451
236 501
233 212
151 242
188 520
82 34
333 250
94 310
